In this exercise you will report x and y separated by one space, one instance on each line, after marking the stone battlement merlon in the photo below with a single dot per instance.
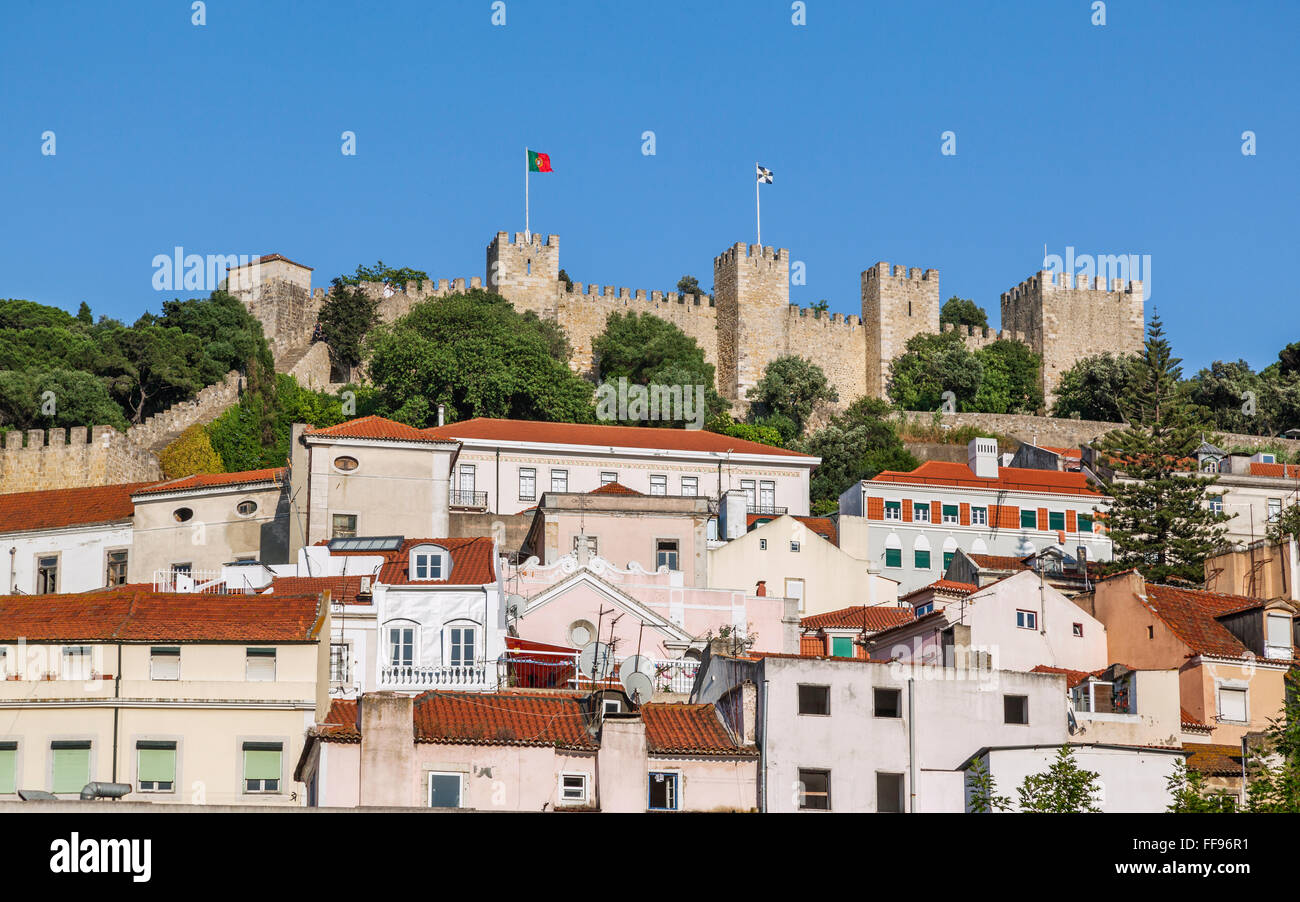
1047 280
840 319
520 240
594 291
754 253
912 274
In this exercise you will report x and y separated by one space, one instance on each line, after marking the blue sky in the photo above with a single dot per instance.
226 139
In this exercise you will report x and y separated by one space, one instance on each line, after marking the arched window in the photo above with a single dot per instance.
429 563
921 553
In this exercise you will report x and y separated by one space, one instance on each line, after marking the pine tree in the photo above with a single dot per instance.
1064 788
1189 794
984 798
1159 520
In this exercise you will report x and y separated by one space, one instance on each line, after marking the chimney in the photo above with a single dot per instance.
387 748
442 412
761 589
982 457
1081 556
733 522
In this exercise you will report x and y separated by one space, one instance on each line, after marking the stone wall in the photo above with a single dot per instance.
897 303
976 338
160 430
72 458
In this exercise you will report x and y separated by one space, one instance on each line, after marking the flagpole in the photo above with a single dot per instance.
758 210
528 235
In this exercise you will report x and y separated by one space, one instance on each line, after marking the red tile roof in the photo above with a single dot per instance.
872 619
376 428
1214 760
503 718
58 508
1075 453
1013 479
998 562
214 480
342 589
682 729
1191 613
268 258
1189 722
947 586
614 488
471 563
1072 677
1289 471
135 613
822 526
539 432
340 723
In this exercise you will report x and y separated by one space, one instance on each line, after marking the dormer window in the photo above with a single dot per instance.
429 563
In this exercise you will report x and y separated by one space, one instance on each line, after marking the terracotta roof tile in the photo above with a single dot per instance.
1214 760
471 563
948 586
540 432
1289 471
342 589
376 428
948 473
682 729
822 526
135 613
58 508
503 718
858 617
340 723
998 562
1072 677
1191 613
614 488
214 480
1189 722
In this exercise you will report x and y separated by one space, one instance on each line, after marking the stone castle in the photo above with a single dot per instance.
747 323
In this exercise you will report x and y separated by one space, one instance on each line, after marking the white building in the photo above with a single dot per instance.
911 525
1129 779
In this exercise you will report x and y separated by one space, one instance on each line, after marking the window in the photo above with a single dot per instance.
841 646
182 514
8 767
183 568
889 793
979 516
893 510
1078 630
767 496
612 706
1277 642
666 553
690 486
663 792
1274 509
460 646
1056 520
246 508
573 789
528 484
76 662
762 544
1216 503
345 526
659 485
814 700
116 575
1027 620
949 513
465 483
1085 520
887 702
794 589
893 557
794 546
401 646
155 766
345 463
921 559
920 512
444 790
591 543
340 659
259 664
559 480
47 574
70 765
814 790
262 766
165 662
1232 704
606 478
1015 709
1028 519
751 496
922 610
947 559
1151 632
426 564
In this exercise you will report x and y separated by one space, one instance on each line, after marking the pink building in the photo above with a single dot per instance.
526 751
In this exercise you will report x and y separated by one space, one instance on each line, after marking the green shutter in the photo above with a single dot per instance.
261 763
921 560
950 510
1085 523
71 768
947 559
1028 519
157 762
842 646
8 761
893 557
1056 520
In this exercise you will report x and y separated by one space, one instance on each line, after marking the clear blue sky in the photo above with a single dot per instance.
226 139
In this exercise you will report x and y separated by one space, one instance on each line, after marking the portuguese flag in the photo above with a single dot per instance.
539 162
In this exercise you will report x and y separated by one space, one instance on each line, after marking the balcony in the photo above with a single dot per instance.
527 669
470 676
468 501
208 582
766 510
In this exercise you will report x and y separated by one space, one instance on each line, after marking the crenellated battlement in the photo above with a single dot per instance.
977 337
883 270
520 240
753 254
1047 280
827 318
58 458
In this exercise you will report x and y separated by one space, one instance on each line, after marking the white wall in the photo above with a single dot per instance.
82 551
1131 780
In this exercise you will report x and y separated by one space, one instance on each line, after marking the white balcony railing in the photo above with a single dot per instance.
472 676
524 668
199 581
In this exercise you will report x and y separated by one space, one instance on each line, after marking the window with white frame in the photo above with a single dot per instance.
343 526
1277 636
1027 620
1232 704
428 563
664 791
401 646
920 512
893 510
47 574
262 766
259 664
559 480
573 789
165 662
1274 509
979 516
751 496
340 662
445 789
658 485
607 477
115 574
666 553
460 646
76 662
767 496
1216 503
527 483
949 512
155 765
690 486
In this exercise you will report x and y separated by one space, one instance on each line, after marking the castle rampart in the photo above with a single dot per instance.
72 458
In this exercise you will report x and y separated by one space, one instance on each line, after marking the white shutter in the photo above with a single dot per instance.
1232 705
1279 636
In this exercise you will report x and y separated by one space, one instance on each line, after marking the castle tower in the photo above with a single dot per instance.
896 305
526 273
1066 318
277 291
751 288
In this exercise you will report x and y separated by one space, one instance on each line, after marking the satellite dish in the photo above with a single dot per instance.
640 688
636 664
514 605
596 660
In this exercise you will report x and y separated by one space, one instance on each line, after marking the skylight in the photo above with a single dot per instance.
367 543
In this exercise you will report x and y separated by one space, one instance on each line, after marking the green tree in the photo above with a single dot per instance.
387 275
791 387
963 312
1273 778
982 789
191 452
1158 519
346 317
564 277
821 307
723 424
856 444
930 366
475 354
1012 379
1189 794
84 315
1064 788
1233 393
56 398
690 285
1093 387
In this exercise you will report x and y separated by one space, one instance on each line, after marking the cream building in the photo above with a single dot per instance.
200 699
